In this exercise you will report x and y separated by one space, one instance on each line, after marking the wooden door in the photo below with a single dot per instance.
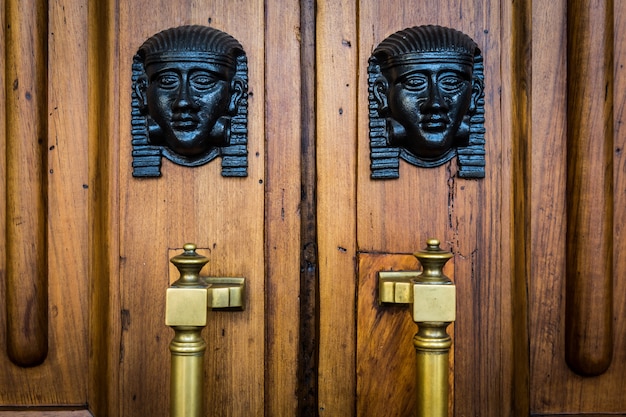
87 245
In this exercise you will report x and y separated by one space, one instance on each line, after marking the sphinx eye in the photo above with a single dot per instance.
451 83
203 81
415 82
168 80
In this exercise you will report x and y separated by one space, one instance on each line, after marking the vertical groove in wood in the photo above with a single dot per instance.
309 268
26 284
104 304
521 59
589 298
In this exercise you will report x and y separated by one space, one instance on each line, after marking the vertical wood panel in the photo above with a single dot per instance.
555 388
3 171
619 221
60 136
283 213
548 215
104 260
223 216
336 113
589 289
308 356
472 217
26 275
516 117
67 196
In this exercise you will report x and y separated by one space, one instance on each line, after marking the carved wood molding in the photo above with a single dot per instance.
589 284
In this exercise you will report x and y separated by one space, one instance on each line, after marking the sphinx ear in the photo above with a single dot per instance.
379 90
141 89
237 92
220 133
478 88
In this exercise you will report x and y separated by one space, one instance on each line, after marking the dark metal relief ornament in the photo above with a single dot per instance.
190 101
426 102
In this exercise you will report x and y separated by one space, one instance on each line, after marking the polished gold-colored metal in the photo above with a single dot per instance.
432 346
187 372
396 287
434 303
226 292
433 298
433 313
186 312
186 308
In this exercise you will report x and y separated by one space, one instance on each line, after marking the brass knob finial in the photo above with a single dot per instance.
189 263
433 258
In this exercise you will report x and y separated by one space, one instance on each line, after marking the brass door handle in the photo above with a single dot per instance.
432 296
186 307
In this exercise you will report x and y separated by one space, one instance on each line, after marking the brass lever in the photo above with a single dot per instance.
186 308
433 298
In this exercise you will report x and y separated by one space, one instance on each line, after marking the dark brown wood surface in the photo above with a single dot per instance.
555 387
589 283
44 214
26 107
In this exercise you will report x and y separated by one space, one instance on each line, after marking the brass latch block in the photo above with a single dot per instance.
430 302
226 292
396 287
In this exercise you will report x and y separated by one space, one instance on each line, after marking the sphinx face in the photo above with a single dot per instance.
186 100
430 101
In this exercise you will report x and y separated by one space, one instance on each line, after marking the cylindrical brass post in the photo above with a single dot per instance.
187 378
186 312
432 345
434 308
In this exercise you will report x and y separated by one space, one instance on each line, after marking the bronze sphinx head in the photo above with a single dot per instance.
426 101
190 94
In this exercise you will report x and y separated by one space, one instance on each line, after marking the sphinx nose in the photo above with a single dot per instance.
184 99
434 100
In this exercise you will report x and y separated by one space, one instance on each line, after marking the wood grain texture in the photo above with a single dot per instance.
555 388
62 378
26 274
222 216
284 212
516 116
589 287
336 113
308 356
472 217
105 317
548 210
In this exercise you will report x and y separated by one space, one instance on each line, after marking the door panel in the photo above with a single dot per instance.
44 275
557 388
114 314
223 216
468 216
